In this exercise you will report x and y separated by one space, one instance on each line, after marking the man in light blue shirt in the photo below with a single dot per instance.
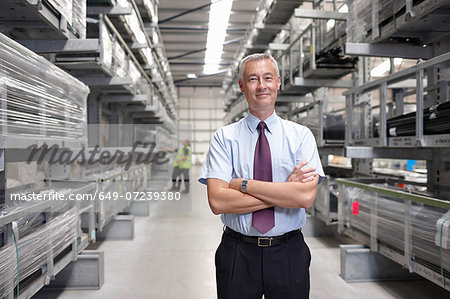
250 263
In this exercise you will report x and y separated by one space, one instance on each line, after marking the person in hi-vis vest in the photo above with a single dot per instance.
181 165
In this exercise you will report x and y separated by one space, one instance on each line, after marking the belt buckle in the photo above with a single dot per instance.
264 238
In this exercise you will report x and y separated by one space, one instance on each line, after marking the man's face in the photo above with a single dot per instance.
260 84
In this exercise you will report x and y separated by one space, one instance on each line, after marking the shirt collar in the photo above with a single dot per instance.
252 122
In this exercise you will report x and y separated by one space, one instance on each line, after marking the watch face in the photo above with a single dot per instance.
244 185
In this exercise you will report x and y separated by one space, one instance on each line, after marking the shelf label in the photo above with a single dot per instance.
355 208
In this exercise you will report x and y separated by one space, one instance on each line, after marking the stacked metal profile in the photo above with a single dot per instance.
36 249
388 216
74 11
51 19
110 59
38 100
400 21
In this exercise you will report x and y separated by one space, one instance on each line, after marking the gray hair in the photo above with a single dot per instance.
256 57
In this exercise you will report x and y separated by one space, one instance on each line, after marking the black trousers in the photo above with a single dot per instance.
246 271
177 172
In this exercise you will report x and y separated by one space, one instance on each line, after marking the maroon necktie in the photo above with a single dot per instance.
263 220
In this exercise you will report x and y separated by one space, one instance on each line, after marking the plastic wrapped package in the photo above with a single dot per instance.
39 99
26 225
120 61
360 20
64 7
425 236
143 87
8 269
107 47
134 72
151 10
79 18
133 23
34 249
135 26
148 56
55 236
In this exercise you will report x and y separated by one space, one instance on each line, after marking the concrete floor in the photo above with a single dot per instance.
172 257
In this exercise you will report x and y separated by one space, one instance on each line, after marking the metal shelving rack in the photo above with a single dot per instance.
406 227
138 87
48 19
396 29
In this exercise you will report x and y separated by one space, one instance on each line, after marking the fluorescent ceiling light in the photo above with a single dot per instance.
219 16
192 76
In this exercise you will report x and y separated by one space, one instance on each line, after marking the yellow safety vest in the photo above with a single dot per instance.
183 164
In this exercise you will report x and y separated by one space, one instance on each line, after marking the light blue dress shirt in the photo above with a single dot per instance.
231 155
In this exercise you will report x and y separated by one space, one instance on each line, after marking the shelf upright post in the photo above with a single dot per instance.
383 125
312 47
375 21
300 68
419 107
349 118
374 225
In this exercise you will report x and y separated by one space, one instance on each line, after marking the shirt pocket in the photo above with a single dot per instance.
286 167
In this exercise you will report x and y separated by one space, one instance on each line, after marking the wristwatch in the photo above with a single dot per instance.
244 185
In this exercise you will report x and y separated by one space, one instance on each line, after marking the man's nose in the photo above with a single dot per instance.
261 84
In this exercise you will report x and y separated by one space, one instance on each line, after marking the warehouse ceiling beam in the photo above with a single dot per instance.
323 83
137 46
62 46
105 10
139 98
187 12
388 50
278 47
320 14
195 28
233 41
106 81
147 109
203 76
148 67
274 27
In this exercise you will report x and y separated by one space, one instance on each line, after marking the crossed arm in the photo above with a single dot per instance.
298 192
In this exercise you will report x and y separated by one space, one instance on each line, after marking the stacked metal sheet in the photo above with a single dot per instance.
429 235
39 100
363 14
79 18
36 249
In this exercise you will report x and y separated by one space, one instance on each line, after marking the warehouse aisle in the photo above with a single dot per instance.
172 257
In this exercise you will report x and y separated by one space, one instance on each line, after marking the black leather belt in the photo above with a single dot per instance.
263 241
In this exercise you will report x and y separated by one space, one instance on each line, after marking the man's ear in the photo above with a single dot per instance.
241 85
279 83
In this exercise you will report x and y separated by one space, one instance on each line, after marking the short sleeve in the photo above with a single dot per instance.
308 151
218 163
